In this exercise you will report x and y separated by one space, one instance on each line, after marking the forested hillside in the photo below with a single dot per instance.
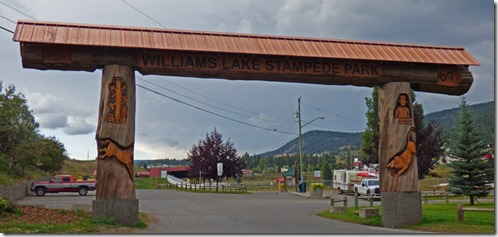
315 142
484 116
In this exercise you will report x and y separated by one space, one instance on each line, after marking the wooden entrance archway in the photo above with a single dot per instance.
120 51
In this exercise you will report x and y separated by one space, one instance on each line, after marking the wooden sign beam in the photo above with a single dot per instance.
444 79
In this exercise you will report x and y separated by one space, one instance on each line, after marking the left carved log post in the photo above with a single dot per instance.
401 205
115 196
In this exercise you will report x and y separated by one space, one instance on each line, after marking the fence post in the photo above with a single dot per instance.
346 202
426 199
176 186
355 200
371 201
460 212
446 198
332 202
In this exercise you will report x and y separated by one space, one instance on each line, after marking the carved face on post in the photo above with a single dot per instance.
402 111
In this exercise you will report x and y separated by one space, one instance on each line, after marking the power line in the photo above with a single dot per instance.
8 19
313 106
143 13
1 27
279 145
205 103
210 112
221 102
338 129
13 8
202 102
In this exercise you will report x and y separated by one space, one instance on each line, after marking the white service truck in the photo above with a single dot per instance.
368 187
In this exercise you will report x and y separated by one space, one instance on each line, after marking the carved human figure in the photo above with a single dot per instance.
402 109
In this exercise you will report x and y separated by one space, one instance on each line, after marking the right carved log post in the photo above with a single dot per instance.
398 174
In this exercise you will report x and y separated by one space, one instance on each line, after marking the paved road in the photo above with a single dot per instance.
259 212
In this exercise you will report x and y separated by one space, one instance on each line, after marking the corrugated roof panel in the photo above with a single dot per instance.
126 37
199 42
61 35
73 35
210 43
428 56
439 58
349 51
37 35
400 53
445 56
337 49
115 37
147 39
414 54
136 37
360 50
259 46
163 39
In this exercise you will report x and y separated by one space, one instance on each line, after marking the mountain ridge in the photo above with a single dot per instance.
314 142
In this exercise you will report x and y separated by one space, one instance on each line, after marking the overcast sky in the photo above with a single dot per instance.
66 103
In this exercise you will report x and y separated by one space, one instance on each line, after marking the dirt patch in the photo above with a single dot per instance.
38 215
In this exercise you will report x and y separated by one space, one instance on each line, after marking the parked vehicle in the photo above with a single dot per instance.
63 183
368 187
344 180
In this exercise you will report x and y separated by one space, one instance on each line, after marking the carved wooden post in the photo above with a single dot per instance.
398 175
115 197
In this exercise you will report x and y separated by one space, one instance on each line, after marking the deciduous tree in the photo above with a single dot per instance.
207 153
429 142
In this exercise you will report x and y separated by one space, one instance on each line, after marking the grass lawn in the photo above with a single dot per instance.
441 218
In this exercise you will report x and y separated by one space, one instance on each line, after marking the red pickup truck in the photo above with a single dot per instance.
63 183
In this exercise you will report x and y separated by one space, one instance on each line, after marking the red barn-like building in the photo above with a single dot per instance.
178 171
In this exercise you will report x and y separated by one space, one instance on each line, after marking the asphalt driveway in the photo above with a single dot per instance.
196 213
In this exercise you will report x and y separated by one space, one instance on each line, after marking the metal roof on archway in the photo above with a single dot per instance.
236 56
203 41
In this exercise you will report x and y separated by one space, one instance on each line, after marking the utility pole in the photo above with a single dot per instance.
300 143
301 140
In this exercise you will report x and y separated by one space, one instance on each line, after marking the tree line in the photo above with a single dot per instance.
22 148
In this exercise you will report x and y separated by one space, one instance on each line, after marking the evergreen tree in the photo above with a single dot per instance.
326 171
370 138
468 177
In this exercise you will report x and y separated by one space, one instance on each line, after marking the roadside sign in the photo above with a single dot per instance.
316 174
164 174
220 169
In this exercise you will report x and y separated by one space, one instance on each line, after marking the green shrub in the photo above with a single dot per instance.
317 185
3 205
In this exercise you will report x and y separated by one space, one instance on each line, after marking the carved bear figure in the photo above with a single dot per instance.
403 159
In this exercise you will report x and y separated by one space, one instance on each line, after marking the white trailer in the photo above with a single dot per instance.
344 180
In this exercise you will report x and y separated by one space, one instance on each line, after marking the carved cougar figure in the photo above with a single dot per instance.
403 159
124 157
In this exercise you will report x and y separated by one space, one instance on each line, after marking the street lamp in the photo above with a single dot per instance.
301 140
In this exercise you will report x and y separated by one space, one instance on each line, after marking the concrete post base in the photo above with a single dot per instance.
125 212
401 209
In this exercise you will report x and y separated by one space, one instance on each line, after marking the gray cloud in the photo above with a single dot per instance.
67 102
78 126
